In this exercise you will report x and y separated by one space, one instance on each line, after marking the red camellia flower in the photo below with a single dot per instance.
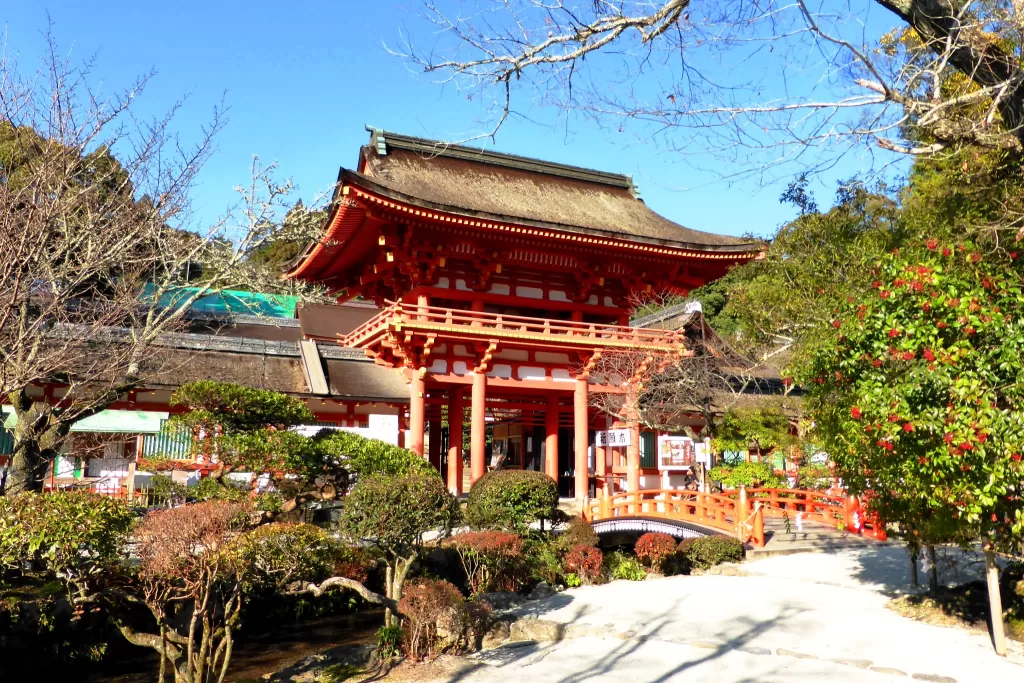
966 446
948 438
926 306
1013 255
907 427
855 413
969 331
932 243
946 251
894 418
975 257
836 323
982 437
928 355
884 294
941 325
908 355
894 333
877 363
923 460
1015 457
876 284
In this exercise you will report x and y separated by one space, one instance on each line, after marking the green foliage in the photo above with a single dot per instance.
279 554
364 457
75 536
623 566
811 265
511 499
395 512
544 559
814 476
750 474
707 551
763 429
233 408
573 581
917 394
389 641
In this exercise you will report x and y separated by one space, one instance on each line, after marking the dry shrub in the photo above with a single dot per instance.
492 559
436 618
577 532
654 548
585 562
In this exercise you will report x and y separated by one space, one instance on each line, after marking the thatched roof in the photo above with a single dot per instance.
511 188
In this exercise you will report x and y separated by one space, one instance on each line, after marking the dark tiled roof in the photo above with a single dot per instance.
518 189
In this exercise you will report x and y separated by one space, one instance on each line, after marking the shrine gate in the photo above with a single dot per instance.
500 280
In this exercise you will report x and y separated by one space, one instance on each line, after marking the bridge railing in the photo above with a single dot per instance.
705 509
830 509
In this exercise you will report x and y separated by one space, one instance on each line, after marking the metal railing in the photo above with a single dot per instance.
459 323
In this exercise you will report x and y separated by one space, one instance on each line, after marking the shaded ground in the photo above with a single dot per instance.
799 617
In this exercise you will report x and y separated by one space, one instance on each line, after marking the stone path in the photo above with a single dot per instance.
805 617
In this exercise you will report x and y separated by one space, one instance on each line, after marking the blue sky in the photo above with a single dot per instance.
302 78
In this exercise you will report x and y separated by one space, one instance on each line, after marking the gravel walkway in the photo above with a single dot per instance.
806 617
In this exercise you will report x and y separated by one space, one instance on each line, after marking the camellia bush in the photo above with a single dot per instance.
511 499
917 396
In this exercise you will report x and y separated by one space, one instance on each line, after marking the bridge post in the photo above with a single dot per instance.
741 513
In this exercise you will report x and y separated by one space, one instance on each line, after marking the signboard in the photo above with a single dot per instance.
613 438
677 452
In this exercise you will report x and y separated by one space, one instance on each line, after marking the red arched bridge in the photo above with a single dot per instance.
740 513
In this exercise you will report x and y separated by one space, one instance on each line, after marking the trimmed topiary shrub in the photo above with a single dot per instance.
511 499
585 562
653 549
708 551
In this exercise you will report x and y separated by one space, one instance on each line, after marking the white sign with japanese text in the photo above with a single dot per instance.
613 438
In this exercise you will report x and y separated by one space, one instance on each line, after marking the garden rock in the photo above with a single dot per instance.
540 591
536 629
497 634
501 600
310 669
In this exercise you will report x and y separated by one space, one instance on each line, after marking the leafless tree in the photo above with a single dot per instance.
763 82
93 273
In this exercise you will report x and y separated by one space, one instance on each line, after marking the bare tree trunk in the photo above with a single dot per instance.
933 570
912 555
995 602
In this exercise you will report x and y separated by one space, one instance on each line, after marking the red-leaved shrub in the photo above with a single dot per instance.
435 617
585 562
492 559
653 548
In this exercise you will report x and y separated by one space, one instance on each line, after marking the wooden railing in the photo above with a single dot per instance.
833 510
398 316
705 509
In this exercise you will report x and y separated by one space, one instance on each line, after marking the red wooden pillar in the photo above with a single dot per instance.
477 425
582 433
417 413
434 444
633 458
601 466
551 438
455 412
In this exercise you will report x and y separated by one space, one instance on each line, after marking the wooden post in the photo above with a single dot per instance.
417 412
551 438
633 458
582 426
455 416
995 603
601 467
402 425
478 424
741 513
